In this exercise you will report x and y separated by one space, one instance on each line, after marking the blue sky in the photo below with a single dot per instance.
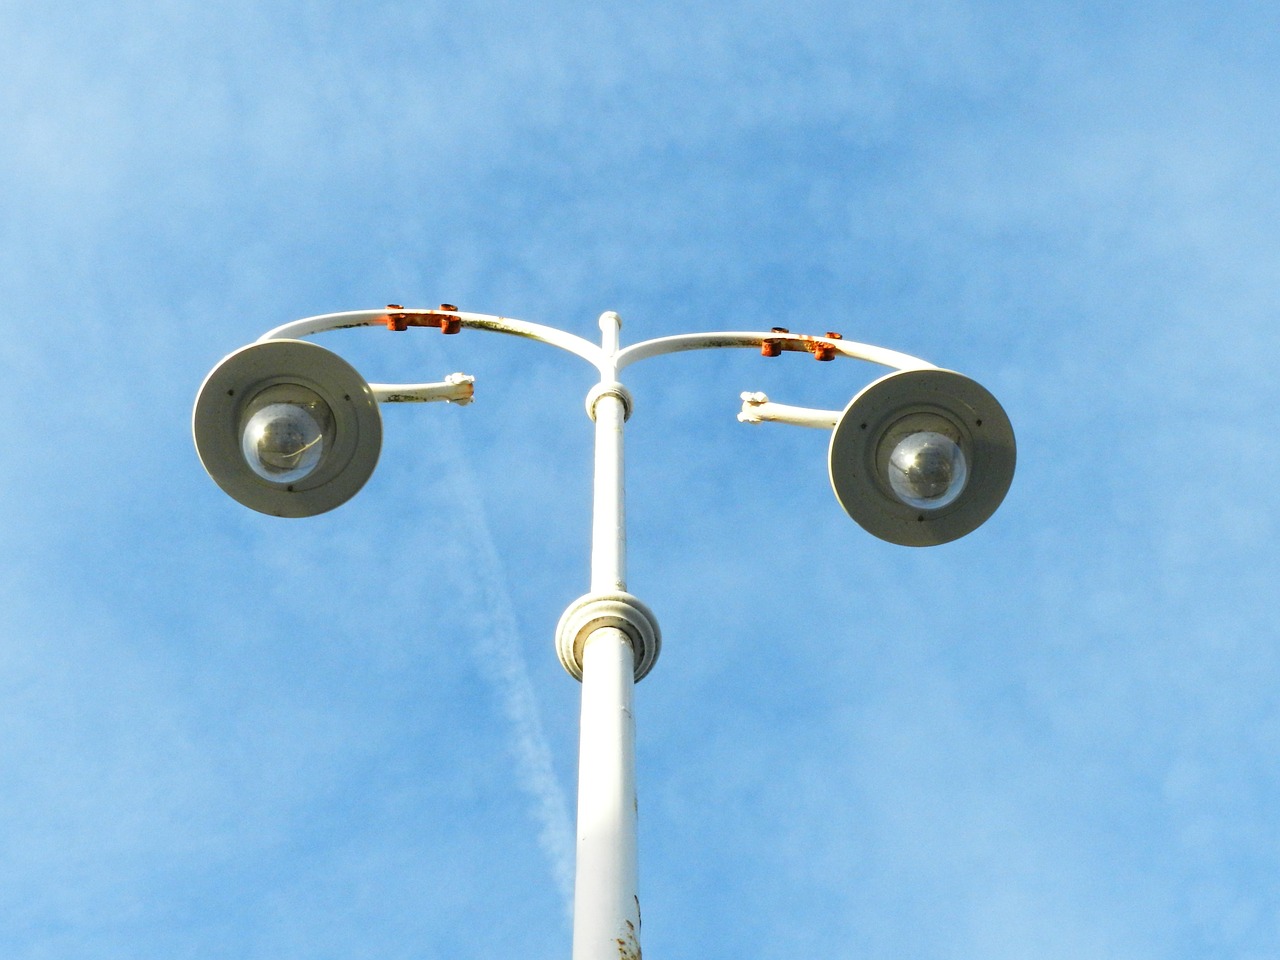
226 735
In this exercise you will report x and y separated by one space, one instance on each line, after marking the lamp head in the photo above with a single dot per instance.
922 457
288 428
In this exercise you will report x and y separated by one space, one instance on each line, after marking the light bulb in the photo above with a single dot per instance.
927 470
285 438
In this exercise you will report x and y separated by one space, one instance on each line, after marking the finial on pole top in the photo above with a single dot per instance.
610 324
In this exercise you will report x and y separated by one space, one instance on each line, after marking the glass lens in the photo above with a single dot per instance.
284 441
927 470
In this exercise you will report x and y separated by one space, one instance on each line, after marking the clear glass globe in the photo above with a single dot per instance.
285 441
927 470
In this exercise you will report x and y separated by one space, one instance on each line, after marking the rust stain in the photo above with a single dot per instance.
822 351
400 319
629 946
800 343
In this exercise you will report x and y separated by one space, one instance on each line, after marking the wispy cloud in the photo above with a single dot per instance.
503 663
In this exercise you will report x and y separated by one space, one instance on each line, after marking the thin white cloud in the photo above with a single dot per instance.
504 664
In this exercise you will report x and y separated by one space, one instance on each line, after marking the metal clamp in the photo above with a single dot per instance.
445 318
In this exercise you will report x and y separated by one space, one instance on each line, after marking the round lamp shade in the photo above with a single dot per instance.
287 428
922 457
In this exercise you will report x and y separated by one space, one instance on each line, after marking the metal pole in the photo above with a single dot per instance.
606 907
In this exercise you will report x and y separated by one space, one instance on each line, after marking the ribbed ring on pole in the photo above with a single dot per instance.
596 610
609 389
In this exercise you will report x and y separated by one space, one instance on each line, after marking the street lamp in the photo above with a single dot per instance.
920 456
288 428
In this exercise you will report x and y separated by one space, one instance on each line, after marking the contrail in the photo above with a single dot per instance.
499 647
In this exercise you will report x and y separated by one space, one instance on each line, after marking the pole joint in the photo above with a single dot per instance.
595 611
609 388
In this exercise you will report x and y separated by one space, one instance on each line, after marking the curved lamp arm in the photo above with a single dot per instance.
608 360
822 347
476 321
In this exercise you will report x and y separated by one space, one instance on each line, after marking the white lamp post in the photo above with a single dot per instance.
920 456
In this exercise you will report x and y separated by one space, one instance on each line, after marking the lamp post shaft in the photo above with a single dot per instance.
607 405
606 908
606 905
609 520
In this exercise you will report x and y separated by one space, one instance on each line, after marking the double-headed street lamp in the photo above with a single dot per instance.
920 456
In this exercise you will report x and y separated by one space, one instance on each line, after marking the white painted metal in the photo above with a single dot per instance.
606 912
592 611
710 341
608 528
608 524
456 388
324 322
542 334
758 408
475 321
611 360
606 908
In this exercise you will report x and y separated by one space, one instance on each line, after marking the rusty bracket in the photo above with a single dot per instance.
800 342
445 318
